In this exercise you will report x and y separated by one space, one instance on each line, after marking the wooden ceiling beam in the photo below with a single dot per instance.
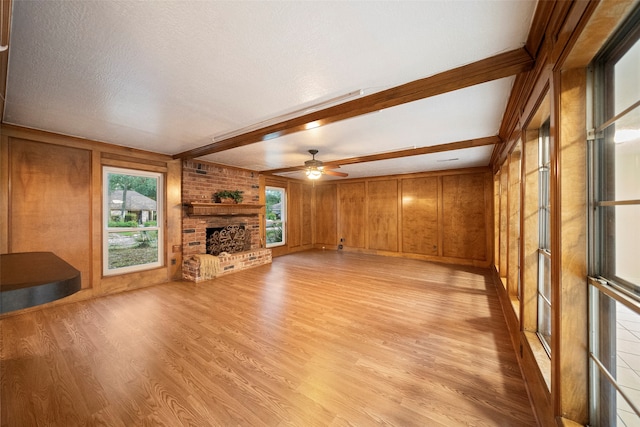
459 145
496 67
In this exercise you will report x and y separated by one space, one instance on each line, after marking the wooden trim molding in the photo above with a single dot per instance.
496 67
222 209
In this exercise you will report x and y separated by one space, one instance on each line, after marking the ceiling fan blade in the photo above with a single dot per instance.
334 173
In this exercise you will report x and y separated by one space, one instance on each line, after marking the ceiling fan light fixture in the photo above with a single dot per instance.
313 173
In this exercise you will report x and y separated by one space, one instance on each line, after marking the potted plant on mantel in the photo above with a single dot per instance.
228 196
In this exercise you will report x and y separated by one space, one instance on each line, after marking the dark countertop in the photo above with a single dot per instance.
33 278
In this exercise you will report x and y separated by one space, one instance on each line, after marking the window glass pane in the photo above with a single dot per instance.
622 248
132 215
628 243
627 79
544 182
544 300
275 216
136 247
617 350
627 156
132 199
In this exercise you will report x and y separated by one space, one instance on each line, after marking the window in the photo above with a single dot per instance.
544 238
132 237
276 213
614 232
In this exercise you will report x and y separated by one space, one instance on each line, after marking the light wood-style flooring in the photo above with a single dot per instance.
318 338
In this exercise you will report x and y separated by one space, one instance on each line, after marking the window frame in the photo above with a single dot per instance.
603 155
544 299
283 216
106 217
608 292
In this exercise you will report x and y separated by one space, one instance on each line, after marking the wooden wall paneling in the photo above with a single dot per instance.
420 215
496 221
572 370
96 222
352 214
488 218
173 236
529 231
556 314
261 215
366 213
141 156
399 210
4 194
464 208
294 215
504 180
326 214
49 207
7 6
513 255
440 219
383 215
600 26
307 218
573 23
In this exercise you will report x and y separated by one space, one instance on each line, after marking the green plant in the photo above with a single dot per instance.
123 224
229 194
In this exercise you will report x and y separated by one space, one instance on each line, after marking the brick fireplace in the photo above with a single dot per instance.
199 181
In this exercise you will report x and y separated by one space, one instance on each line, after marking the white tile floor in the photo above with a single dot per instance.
628 364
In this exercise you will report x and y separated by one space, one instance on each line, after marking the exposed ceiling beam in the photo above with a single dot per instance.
459 145
496 67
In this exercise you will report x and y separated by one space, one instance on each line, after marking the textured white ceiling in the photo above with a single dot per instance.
168 76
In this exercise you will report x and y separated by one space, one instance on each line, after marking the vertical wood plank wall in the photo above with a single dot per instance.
382 217
514 227
572 292
326 215
464 224
52 201
294 213
440 216
420 231
352 213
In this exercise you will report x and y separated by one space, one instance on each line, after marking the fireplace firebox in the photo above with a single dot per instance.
230 239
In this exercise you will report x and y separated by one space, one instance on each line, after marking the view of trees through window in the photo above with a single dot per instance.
132 208
275 216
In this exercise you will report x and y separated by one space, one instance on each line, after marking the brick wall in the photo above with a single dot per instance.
199 181
228 264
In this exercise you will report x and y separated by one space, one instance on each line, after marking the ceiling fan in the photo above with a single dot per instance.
315 168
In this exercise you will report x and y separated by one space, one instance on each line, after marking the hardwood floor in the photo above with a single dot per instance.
315 339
